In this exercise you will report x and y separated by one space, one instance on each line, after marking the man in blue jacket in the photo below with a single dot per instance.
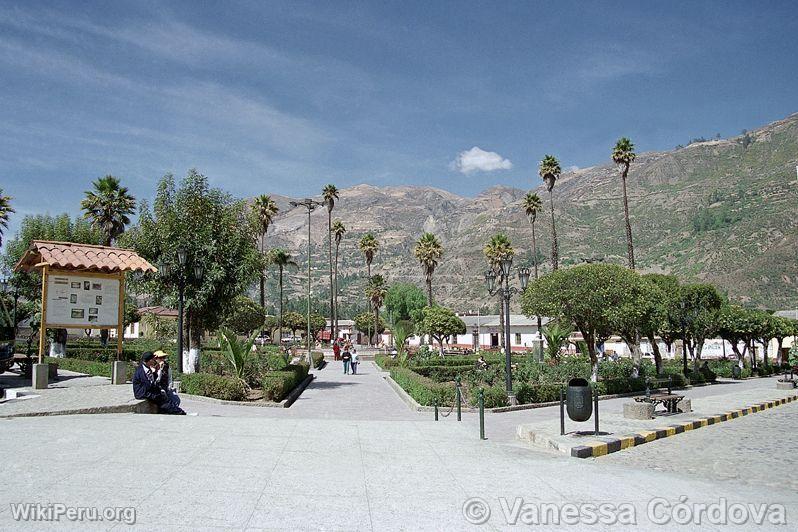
145 385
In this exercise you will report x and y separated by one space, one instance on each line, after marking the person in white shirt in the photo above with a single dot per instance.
355 361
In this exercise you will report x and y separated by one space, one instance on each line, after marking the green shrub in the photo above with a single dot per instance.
385 362
722 368
89 367
444 373
318 359
537 393
216 386
493 397
745 373
423 389
277 384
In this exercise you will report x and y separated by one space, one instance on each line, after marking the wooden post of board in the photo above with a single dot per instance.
43 325
120 326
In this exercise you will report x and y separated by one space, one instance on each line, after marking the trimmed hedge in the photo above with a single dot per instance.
216 386
493 396
277 384
423 389
318 359
443 373
89 367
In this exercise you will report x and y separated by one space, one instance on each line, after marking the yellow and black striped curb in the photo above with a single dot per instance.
600 448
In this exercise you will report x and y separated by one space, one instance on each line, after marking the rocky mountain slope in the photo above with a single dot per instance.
722 211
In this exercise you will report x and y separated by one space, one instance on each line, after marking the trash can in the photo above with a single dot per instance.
579 400
736 372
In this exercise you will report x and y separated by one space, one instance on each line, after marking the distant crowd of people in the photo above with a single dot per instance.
344 350
153 382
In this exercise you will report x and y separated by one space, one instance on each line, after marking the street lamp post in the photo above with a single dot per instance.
310 205
182 276
507 291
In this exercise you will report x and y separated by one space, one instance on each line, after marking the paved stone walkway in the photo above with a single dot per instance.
204 473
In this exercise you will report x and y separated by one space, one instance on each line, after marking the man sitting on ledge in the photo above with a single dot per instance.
145 386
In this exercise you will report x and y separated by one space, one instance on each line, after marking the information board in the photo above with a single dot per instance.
82 301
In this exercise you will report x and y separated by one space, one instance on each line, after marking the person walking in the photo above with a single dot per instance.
336 350
346 356
355 361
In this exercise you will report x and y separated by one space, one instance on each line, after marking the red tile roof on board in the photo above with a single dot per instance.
82 257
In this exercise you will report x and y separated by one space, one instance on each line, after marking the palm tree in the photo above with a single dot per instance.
376 291
5 213
498 249
428 252
265 210
623 154
338 231
369 246
330 194
282 259
108 207
532 206
550 171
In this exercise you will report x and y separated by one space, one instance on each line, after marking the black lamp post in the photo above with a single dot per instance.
182 277
683 306
507 291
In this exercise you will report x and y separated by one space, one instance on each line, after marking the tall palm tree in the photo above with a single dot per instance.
338 231
623 154
496 250
265 210
532 206
330 194
428 252
5 213
376 291
282 259
369 246
550 171
108 206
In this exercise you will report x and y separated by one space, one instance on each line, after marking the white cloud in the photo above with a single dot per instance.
478 160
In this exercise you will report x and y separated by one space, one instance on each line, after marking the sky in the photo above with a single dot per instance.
284 97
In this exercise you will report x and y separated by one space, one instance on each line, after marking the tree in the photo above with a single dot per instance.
369 245
623 154
556 334
365 322
108 206
338 231
217 233
376 291
499 248
282 259
5 213
550 171
786 327
697 312
265 210
736 325
532 207
428 251
591 296
317 324
662 324
60 228
768 329
404 301
440 323
295 322
244 316
330 194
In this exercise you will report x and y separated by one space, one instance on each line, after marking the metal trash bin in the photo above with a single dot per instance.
736 372
579 400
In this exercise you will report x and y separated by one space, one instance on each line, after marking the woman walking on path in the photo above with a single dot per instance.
336 350
347 358
355 361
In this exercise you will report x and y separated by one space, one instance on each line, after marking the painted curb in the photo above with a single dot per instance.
595 449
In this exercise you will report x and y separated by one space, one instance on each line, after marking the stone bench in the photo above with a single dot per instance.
638 410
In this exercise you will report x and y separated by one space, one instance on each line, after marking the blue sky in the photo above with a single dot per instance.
285 97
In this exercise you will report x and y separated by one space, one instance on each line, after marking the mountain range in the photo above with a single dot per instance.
720 211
